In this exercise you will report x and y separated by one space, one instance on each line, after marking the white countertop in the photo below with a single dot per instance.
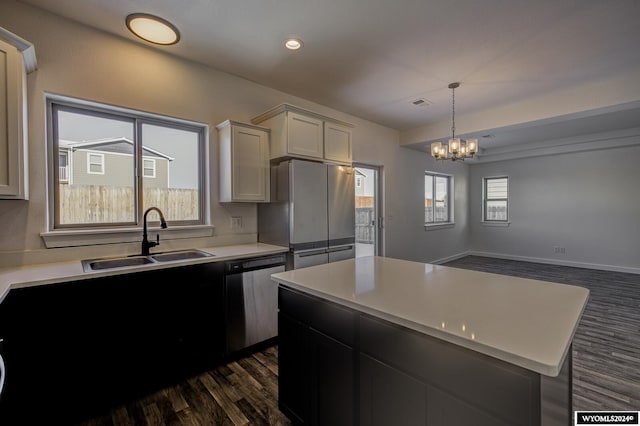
525 322
50 273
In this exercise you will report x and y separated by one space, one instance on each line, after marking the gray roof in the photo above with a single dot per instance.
120 145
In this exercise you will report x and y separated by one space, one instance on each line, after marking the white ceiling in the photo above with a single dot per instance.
372 58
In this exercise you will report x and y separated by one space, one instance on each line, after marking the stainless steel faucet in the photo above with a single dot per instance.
146 244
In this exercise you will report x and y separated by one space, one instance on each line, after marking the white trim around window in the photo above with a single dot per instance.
95 163
149 164
438 201
495 201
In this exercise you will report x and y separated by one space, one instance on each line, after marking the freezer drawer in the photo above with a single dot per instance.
302 259
344 252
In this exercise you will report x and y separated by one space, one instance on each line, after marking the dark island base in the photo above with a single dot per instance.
338 366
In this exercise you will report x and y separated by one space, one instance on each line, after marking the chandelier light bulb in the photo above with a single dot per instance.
435 149
472 146
454 145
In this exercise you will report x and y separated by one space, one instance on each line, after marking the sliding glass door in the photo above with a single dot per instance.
369 221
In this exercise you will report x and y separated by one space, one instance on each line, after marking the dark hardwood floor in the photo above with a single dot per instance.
242 392
606 360
606 348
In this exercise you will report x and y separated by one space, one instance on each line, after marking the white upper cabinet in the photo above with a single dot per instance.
244 162
17 57
303 136
337 142
299 133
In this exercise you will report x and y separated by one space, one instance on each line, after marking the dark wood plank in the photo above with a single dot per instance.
241 392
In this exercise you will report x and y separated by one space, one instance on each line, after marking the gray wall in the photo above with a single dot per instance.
585 202
406 211
403 174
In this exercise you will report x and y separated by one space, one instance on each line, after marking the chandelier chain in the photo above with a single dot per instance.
453 113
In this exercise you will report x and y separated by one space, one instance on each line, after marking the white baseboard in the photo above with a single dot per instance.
572 263
450 258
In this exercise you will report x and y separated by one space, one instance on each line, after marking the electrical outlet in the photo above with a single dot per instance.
558 250
236 222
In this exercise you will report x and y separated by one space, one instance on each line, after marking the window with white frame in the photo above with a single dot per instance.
149 167
115 142
95 163
438 198
63 166
496 199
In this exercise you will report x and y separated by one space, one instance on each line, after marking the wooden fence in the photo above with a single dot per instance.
365 227
109 204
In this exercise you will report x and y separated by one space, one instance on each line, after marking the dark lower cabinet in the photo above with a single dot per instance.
332 381
74 350
316 376
405 405
316 371
389 396
340 366
293 373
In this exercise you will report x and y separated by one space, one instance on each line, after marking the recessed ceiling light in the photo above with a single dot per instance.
153 29
293 43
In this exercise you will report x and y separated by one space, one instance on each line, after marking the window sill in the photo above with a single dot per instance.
75 238
437 226
498 224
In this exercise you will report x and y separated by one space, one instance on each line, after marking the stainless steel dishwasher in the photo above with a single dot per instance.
251 301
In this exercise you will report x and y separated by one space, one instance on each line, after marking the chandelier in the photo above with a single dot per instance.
458 149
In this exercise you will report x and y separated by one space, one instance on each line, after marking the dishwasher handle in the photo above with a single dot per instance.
246 265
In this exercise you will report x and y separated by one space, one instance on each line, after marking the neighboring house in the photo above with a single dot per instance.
107 162
360 183
364 189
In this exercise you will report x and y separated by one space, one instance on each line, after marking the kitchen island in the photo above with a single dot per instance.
376 340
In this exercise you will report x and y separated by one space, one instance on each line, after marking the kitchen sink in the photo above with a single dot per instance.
99 264
179 255
91 265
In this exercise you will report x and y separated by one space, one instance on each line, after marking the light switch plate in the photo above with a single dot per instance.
236 222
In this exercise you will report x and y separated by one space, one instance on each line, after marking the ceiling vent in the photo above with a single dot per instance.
421 102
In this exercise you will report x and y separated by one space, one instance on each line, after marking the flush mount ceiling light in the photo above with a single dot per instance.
458 149
293 43
153 29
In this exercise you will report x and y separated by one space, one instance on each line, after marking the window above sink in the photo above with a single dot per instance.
95 152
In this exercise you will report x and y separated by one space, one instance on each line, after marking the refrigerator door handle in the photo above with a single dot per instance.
342 248
311 253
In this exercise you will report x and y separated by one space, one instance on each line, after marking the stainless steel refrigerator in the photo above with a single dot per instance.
312 211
